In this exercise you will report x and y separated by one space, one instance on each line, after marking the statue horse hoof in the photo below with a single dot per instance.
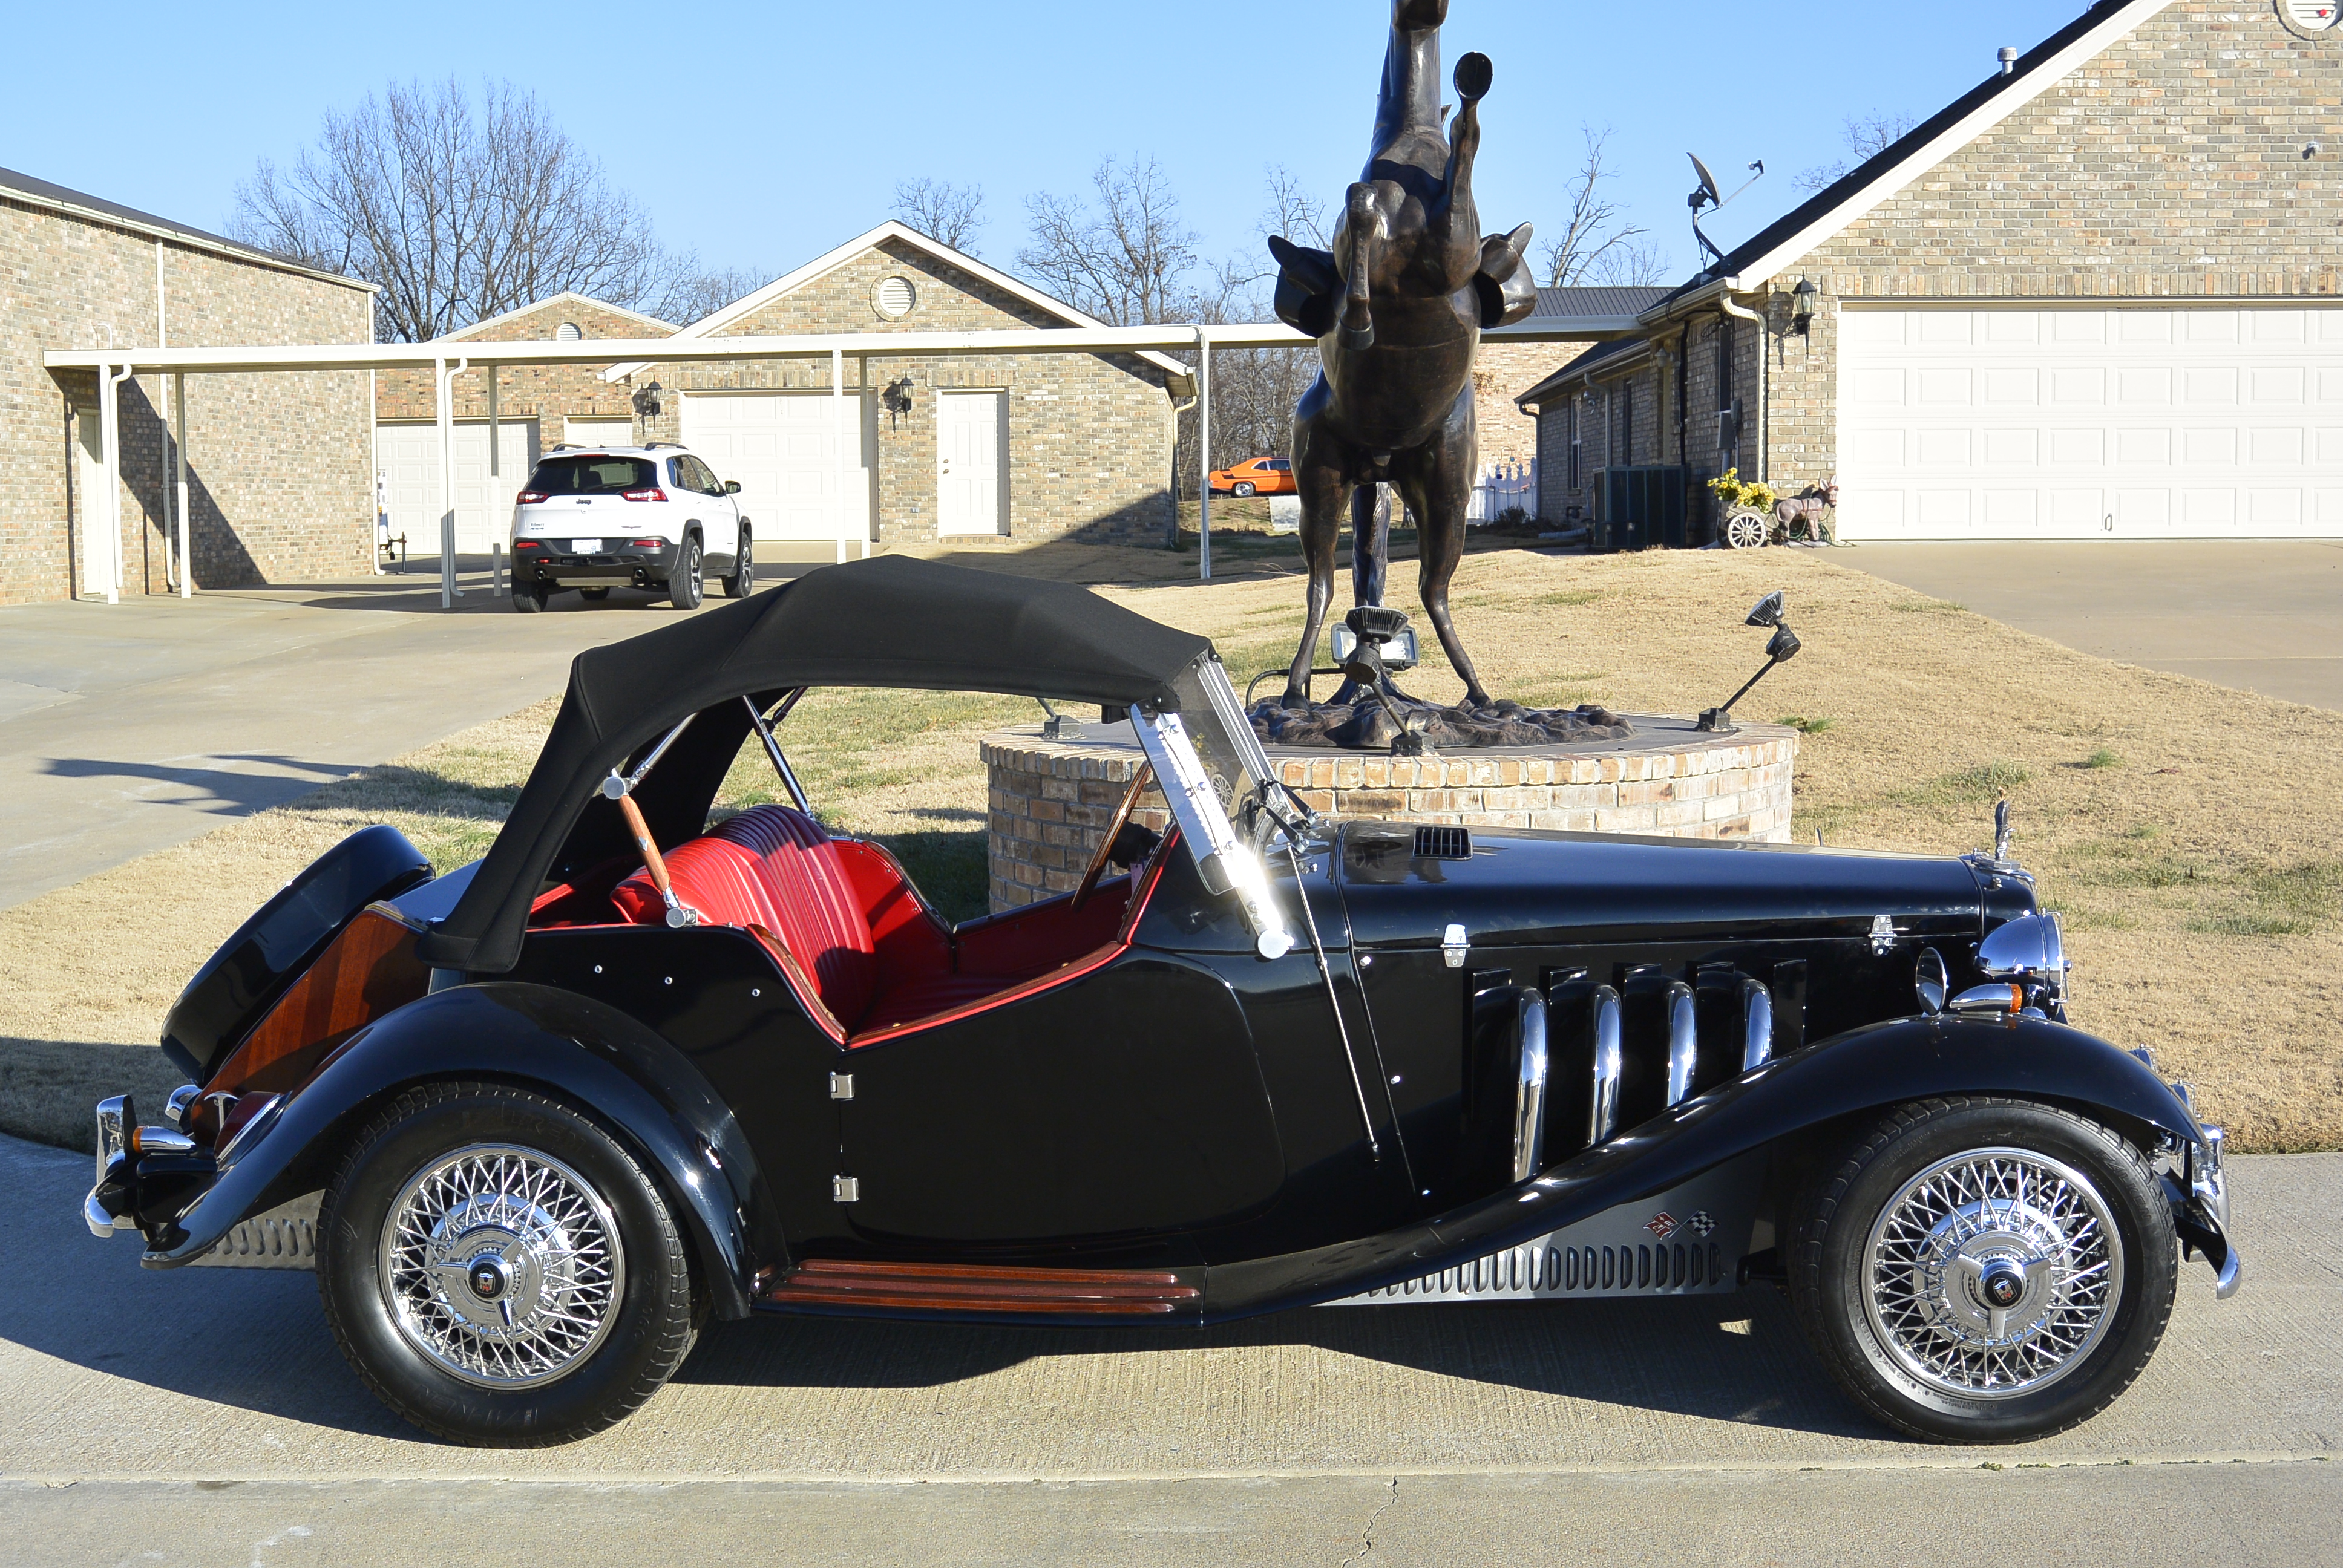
1473 75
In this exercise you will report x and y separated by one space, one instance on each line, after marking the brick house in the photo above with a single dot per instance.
276 464
536 406
955 446
2092 297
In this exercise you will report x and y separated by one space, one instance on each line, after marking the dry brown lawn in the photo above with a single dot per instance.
2188 832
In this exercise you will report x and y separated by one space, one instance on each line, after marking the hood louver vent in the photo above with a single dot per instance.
1443 844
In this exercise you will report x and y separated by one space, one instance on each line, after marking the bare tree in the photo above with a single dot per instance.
1596 243
942 211
460 207
1866 136
1126 257
695 293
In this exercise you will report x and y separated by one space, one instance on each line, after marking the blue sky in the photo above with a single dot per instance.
763 134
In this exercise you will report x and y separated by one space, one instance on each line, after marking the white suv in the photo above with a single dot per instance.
656 517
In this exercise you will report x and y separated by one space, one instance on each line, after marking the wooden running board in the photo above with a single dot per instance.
974 1288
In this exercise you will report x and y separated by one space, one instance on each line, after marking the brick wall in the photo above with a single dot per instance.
549 394
1049 802
277 465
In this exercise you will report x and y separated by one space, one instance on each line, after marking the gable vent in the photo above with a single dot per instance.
1444 843
894 297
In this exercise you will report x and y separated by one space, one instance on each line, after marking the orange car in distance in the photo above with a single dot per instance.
1256 477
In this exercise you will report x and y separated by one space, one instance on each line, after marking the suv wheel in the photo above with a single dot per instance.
528 600
683 587
499 1271
1984 1271
743 580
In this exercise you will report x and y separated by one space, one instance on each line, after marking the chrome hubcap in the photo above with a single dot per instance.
1993 1274
502 1265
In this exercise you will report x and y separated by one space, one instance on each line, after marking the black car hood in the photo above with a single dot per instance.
1535 888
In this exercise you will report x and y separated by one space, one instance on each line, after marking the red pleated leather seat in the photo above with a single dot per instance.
775 868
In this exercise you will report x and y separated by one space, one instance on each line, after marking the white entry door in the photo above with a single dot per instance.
408 457
2136 422
972 462
784 448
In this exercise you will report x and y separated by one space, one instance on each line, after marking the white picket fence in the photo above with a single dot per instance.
1502 486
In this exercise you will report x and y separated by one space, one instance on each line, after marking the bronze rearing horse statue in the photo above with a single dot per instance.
1398 307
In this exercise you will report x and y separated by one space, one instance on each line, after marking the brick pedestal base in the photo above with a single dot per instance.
1049 801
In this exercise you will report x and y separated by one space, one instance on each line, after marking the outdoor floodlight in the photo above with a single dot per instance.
1780 647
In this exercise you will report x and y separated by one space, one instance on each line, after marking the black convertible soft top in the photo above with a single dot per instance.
891 621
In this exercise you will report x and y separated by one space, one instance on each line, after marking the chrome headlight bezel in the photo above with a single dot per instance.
2030 952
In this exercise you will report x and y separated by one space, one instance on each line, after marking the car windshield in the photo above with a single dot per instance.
594 473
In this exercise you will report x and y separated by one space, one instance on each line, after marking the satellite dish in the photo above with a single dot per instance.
1708 186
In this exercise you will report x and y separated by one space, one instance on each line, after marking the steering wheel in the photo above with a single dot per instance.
1097 868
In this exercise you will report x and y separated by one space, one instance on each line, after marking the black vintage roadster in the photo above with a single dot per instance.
535 1120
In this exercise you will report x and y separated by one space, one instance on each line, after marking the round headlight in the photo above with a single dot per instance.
2028 951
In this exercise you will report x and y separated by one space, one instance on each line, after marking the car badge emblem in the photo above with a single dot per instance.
1700 1224
1662 1225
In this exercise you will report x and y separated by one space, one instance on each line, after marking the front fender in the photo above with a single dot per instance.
1868 1069
604 1060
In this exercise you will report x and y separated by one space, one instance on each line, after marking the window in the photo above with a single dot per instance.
1576 481
1627 423
592 476
1728 419
1282 465
706 482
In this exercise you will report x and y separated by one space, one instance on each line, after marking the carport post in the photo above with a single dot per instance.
1203 456
179 481
448 592
838 430
109 513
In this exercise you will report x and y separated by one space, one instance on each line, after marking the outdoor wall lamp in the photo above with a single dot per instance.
1802 307
896 398
646 400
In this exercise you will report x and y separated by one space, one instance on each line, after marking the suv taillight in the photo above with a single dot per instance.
647 544
653 493
532 497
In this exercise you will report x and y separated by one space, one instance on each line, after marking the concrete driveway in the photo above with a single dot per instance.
126 729
2265 616
205 1416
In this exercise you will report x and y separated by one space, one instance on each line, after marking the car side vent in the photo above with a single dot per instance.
1444 843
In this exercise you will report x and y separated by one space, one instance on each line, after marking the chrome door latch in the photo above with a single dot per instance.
841 1086
1455 945
1883 933
845 1190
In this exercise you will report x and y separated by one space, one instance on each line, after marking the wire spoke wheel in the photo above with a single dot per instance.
1993 1274
501 1265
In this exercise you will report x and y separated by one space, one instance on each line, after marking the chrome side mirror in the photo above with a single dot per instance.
1930 981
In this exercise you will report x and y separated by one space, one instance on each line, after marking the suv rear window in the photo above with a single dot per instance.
593 476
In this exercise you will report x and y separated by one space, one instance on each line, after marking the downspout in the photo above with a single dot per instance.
1173 541
179 483
1724 303
110 428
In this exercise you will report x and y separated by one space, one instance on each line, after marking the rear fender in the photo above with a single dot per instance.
609 1064
1864 1069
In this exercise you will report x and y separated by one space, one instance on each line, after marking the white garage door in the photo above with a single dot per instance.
408 459
783 447
2134 423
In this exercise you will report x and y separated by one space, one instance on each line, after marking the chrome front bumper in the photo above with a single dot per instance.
2199 1190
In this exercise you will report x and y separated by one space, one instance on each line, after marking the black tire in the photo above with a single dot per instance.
647 1322
743 580
593 595
1242 490
683 587
1851 1310
528 601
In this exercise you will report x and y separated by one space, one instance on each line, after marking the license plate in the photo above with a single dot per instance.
585 547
